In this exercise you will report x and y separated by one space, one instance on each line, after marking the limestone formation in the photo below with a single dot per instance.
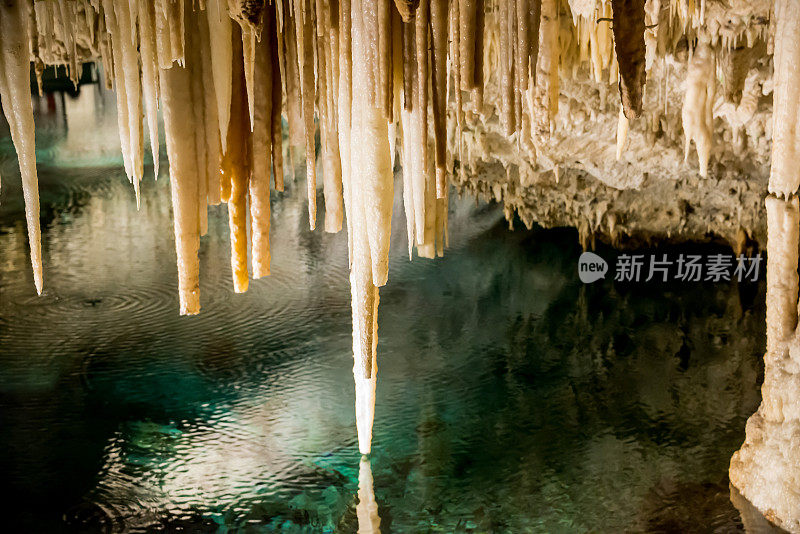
571 112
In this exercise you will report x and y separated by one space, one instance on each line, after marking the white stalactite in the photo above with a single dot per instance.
262 151
120 88
131 76
698 106
785 172
407 125
344 103
149 57
371 211
183 179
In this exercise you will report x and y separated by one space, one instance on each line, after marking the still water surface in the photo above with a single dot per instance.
511 397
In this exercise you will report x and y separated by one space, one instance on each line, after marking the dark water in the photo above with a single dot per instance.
511 397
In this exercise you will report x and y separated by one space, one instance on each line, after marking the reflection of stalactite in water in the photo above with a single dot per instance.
753 521
369 522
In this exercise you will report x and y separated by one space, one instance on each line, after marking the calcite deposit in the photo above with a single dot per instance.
632 121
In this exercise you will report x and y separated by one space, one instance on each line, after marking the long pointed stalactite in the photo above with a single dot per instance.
176 84
628 26
408 81
15 94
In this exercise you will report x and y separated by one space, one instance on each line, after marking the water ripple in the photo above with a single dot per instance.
510 397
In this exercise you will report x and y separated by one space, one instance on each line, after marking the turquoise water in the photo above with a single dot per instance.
511 397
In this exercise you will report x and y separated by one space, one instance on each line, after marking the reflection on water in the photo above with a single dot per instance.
369 521
754 521
511 397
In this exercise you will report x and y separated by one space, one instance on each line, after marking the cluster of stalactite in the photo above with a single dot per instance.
375 78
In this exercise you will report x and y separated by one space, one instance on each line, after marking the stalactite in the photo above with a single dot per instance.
219 29
398 66
628 27
416 47
132 78
439 32
66 17
371 210
734 66
194 62
210 114
455 55
294 115
384 56
344 105
15 94
427 247
784 178
163 35
480 21
38 64
546 95
522 55
305 58
406 8
623 125
236 167
248 13
106 56
421 23
248 53
275 46
181 151
408 122
175 16
506 14
697 113
409 64
368 21
528 71
605 40
371 172
468 25
740 115
149 58
331 159
120 87
261 158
